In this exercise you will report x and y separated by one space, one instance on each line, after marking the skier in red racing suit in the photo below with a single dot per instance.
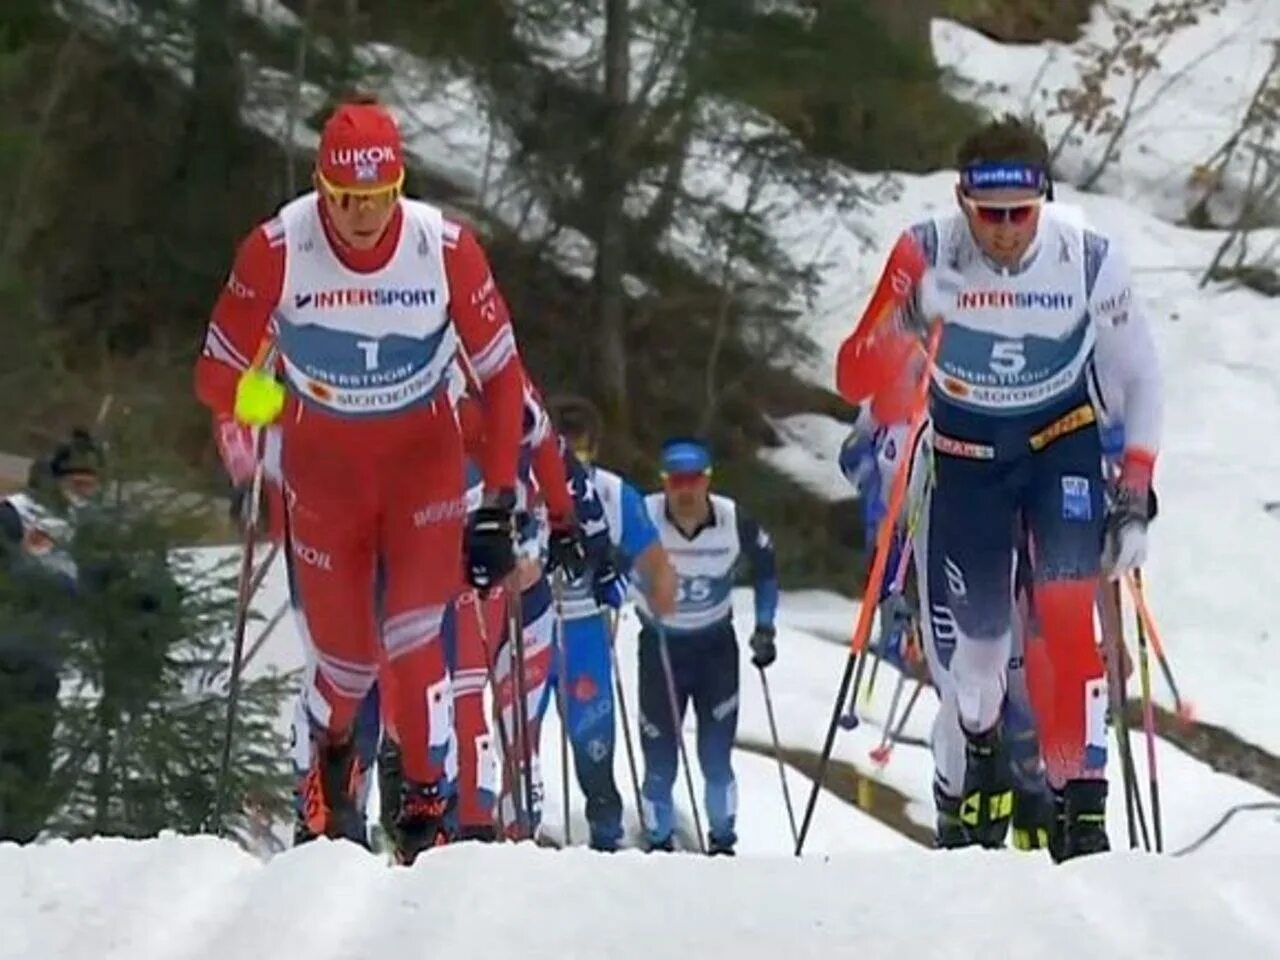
360 299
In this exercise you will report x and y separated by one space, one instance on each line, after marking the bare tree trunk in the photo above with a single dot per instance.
725 310
346 45
611 241
19 219
102 777
214 118
295 98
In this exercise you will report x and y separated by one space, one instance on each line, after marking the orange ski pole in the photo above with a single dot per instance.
875 579
1133 581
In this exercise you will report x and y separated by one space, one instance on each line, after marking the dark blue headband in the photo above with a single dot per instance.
1007 176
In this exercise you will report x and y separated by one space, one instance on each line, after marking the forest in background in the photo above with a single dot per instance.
128 172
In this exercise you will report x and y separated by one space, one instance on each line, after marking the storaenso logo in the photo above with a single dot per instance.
1014 300
365 297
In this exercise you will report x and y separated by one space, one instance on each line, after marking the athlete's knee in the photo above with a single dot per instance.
978 674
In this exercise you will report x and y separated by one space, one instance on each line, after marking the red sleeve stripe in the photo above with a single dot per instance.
451 233
536 417
496 355
219 347
273 230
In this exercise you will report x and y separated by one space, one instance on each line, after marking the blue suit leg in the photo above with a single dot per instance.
589 699
715 702
658 740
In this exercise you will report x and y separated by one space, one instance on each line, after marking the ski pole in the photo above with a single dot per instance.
267 629
261 573
677 728
899 582
878 657
849 718
1148 719
623 717
899 732
562 701
875 579
243 599
516 627
1184 709
1109 615
777 754
510 774
880 754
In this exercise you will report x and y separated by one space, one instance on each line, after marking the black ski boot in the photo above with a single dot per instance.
666 845
479 833
1033 816
1084 804
721 846
327 794
390 776
424 820
987 802
950 834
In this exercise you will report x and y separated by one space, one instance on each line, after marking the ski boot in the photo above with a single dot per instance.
721 846
423 820
479 833
604 837
390 776
666 845
951 833
327 795
1084 811
987 803
1033 816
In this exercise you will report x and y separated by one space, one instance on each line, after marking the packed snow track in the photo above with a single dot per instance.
197 897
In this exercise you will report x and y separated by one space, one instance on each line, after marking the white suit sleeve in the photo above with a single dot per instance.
1125 360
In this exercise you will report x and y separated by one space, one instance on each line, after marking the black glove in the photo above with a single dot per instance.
490 546
1124 544
763 651
565 550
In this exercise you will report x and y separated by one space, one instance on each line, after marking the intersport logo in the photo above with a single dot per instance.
365 297
1014 300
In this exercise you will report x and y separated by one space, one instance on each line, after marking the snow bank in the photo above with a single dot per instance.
1182 113
196 898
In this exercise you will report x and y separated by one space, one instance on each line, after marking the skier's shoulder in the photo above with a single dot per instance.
726 509
933 235
258 272
655 503
430 223
1068 225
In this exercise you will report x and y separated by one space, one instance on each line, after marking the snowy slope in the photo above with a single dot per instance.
201 899
1181 113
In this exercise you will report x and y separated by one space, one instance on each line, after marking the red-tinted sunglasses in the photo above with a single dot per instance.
994 213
